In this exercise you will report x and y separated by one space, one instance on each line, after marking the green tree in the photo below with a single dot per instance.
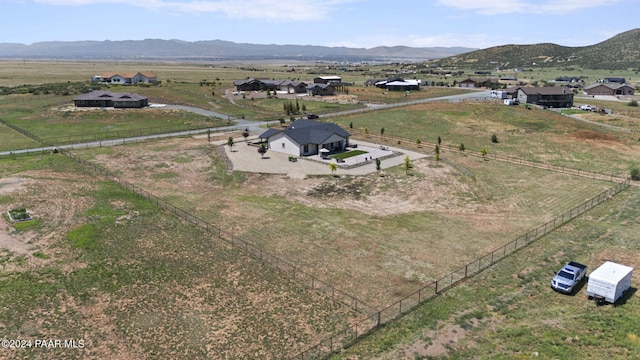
381 132
418 142
635 174
437 151
378 164
494 139
407 164
484 153
366 131
351 125
230 142
461 147
633 103
333 167
439 140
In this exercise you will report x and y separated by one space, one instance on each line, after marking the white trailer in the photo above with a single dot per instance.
609 282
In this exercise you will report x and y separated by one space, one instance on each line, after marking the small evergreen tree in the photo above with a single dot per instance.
494 139
407 164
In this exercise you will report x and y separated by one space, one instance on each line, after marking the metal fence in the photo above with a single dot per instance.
283 266
347 337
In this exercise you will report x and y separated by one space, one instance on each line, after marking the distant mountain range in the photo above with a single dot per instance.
619 52
155 49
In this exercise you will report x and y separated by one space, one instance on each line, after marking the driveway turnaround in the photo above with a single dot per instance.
245 157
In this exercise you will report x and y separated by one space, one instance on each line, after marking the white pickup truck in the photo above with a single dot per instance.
568 277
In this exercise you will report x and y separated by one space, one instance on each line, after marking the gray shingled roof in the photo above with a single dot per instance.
101 95
304 131
545 90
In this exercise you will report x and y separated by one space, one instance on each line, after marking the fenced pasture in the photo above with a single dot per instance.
383 96
379 258
329 258
509 310
534 135
55 122
133 280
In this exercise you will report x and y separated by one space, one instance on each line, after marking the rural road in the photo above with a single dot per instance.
254 127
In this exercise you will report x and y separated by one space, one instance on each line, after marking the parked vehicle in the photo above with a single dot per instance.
609 282
312 116
587 108
568 277
511 102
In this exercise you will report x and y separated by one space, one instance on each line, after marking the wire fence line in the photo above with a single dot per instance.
236 243
421 147
347 337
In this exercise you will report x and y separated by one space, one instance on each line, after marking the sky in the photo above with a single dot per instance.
350 23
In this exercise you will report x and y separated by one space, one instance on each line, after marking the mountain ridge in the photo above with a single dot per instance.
621 51
215 50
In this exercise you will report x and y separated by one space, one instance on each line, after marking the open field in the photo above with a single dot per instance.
536 135
102 264
510 312
378 238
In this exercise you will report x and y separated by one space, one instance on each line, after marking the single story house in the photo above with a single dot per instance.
398 84
289 86
611 88
125 78
547 96
330 79
321 89
98 98
478 82
614 80
306 137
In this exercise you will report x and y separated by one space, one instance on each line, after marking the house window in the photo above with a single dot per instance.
306 149
283 145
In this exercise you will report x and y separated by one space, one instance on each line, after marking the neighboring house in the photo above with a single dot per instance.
611 88
398 84
614 80
289 86
548 96
331 80
321 89
306 137
478 82
98 98
249 84
292 87
125 78
403 85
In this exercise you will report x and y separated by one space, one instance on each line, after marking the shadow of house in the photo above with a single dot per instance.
98 98
306 137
